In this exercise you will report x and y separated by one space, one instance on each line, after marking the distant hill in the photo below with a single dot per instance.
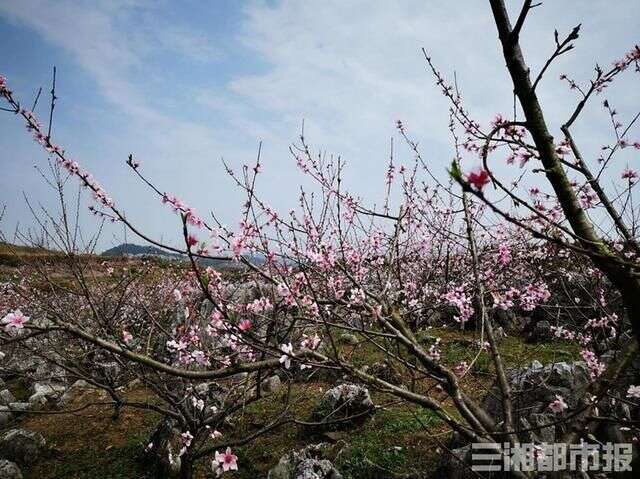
130 249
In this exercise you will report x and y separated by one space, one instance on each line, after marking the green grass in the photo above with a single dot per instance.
117 462
514 351
388 443
391 440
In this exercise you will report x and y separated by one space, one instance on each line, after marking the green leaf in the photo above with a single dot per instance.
455 172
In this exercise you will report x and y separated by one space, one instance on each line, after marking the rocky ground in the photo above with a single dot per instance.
65 432
53 426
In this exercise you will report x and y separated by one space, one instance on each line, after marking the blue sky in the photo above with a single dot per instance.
183 84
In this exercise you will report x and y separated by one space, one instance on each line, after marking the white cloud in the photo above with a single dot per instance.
195 46
85 31
350 69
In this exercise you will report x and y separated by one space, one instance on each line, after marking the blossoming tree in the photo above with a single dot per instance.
435 252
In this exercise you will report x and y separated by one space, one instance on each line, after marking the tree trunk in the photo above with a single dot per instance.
621 276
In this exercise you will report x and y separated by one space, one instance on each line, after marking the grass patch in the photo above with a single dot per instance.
515 352
97 461
91 445
394 441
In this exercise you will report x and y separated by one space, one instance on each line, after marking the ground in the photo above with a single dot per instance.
398 439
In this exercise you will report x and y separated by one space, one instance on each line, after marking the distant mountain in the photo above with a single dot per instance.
130 249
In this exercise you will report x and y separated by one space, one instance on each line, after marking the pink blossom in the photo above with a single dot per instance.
607 321
259 305
629 174
187 437
310 342
504 254
457 297
176 203
174 345
596 367
356 297
286 293
461 368
558 405
434 351
633 392
479 178
193 218
588 197
192 240
227 460
14 321
311 306
533 295
200 357
285 359
127 337
238 246
390 174
505 300
562 332
245 325
197 403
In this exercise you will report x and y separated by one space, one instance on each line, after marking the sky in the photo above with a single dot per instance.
182 85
